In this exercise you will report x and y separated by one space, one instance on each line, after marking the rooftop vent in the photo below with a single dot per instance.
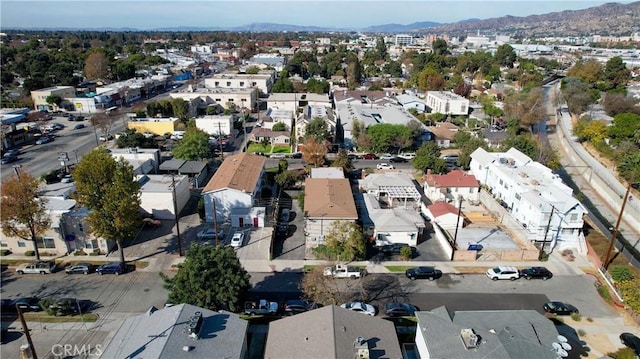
194 324
469 338
361 348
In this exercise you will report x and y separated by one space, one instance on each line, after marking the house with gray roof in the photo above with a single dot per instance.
496 334
180 331
334 333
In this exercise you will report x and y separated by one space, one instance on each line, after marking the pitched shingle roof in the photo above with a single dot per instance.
329 198
455 178
240 172
329 332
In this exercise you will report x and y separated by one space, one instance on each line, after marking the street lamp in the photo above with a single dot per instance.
614 234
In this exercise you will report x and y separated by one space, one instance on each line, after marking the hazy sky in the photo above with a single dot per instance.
150 14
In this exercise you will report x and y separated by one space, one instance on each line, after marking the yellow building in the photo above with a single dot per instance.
39 97
158 126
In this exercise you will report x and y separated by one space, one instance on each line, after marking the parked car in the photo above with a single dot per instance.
369 156
210 233
78 126
503 272
631 341
41 267
296 155
44 139
27 304
9 157
67 179
237 240
395 309
398 160
105 138
278 155
387 156
6 305
261 307
395 248
384 166
536 273
360 307
295 306
560 308
429 273
407 156
110 268
67 306
79 268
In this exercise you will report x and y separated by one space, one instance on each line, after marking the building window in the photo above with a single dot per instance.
3 244
217 84
218 100
21 244
501 182
46 242
241 83
471 190
228 83
80 227
573 217
518 197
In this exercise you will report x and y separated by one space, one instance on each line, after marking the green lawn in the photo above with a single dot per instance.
257 147
397 269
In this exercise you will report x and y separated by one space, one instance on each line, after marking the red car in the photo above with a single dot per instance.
370 156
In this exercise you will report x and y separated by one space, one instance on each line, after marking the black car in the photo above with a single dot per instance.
6 305
296 155
395 248
429 273
536 273
395 309
79 268
27 304
560 308
295 306
9 157
631 341
398 160
110 268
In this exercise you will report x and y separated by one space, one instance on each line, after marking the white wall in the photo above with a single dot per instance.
214 125
227 201
383 238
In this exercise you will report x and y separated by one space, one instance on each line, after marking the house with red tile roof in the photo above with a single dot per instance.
445 215
450 186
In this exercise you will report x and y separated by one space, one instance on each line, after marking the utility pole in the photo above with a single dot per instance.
175 212
26 331
544 241
614 234
455 235
220 141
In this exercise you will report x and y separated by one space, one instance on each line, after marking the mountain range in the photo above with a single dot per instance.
606 19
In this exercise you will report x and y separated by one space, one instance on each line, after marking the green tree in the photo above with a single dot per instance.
23 213
467 144
616 74
629 166
318 129
624 127
428 157
132 139
576 93
180 108
524 143
194 146
279 126
210 277
283 84
590 71
123 70
505 56
108 189
440 47
287 179
342 160
252 70
386 136
316 86
345 241
54 100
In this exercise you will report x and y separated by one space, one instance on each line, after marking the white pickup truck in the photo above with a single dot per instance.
42 267
343 271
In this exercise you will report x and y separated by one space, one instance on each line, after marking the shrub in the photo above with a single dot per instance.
624 353
5 252
95 252
576 316
604 293
406 253
629 291
30 253
78 253
621 273
46 303
581 332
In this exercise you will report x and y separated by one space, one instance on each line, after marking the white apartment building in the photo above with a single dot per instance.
241 97
535 197
403 40
263 80
215 125
447 103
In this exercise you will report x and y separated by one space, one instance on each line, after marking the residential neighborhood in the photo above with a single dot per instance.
303 194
